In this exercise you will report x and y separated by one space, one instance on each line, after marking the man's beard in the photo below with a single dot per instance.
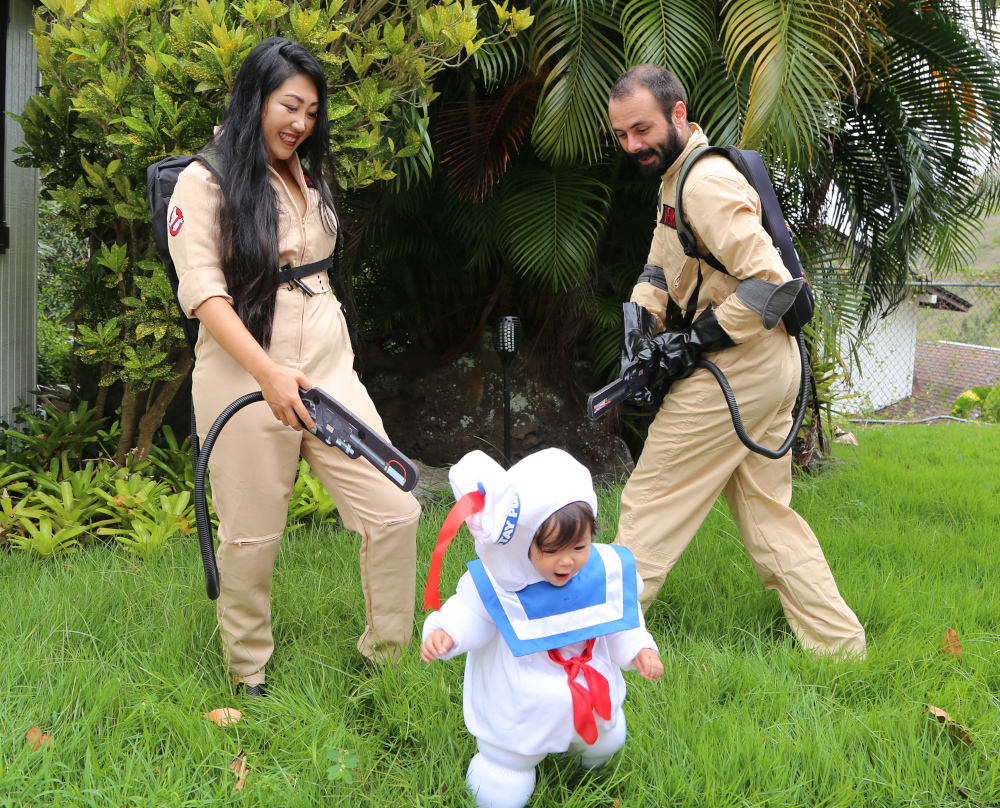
666 152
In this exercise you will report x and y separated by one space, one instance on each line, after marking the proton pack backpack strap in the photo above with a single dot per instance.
750 165
684 232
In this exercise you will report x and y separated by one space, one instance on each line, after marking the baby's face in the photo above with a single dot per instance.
558 566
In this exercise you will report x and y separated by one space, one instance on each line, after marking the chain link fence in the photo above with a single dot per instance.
943 340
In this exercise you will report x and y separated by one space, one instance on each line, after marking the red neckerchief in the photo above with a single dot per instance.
586 702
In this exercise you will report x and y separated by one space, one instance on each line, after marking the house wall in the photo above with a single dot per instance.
882 374
18 267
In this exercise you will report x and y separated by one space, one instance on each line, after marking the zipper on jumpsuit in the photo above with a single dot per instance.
305 298
244 542
302 252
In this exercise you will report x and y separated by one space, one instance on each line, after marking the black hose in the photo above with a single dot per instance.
205 538
734 412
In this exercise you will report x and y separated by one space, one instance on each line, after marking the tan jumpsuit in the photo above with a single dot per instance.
255 458
692 453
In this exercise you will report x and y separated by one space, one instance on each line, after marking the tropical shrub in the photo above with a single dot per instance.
59 252
60 488
984 399
127 82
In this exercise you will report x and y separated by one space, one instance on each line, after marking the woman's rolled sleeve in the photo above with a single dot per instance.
192 227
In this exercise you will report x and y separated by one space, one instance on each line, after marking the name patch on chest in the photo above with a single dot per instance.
669 217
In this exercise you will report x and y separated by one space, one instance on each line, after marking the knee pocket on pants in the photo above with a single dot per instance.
252 542
404 520
234 554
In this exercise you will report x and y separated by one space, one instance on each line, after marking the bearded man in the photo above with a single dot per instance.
692 453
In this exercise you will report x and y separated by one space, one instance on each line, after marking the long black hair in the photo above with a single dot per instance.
248 212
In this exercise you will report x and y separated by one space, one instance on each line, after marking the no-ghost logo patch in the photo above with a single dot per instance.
175 220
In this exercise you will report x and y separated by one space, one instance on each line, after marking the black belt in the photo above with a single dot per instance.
293 275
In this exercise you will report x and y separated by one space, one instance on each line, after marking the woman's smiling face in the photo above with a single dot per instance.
289 115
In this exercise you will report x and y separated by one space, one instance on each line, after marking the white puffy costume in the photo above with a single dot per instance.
520 701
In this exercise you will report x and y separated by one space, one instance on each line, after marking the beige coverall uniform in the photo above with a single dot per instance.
692 453
255 458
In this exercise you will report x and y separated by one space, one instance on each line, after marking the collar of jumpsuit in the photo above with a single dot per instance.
697 138
295 166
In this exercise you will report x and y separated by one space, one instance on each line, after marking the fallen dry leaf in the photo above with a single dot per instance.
239 766
956 729
951 645
704 667
36 738
846 439
936 712
223 716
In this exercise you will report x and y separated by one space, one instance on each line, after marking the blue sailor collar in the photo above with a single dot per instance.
601 599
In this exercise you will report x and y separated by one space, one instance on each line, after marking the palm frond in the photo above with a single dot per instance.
907 159
552 219
577 45
419 167
800 54
676 34
478 139
605 335
715 101
502 61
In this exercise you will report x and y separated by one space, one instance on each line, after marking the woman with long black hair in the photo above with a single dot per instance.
228 243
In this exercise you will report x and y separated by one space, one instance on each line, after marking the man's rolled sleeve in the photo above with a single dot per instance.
653 299
193 232
723 212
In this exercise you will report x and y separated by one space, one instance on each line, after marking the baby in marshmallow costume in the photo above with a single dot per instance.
548 620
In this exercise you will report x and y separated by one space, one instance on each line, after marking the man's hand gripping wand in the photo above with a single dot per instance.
641 369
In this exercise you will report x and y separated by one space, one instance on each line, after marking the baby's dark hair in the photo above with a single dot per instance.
565 526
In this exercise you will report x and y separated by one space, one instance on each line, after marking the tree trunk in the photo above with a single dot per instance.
153 418
130 416
102 392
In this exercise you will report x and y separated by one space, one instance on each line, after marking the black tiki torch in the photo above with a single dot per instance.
506 341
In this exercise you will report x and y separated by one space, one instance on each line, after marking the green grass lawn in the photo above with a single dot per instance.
117 661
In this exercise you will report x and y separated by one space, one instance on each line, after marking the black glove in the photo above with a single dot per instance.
678 352
640 326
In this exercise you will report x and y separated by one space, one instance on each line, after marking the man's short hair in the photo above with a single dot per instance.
664 85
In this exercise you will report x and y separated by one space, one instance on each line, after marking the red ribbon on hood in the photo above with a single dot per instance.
586 702
467 505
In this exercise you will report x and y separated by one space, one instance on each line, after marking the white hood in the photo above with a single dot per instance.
517 502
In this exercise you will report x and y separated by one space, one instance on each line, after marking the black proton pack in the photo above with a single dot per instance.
336 425
750 165
635 378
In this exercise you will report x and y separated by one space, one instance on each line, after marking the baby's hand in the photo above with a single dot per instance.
439 642
647 662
